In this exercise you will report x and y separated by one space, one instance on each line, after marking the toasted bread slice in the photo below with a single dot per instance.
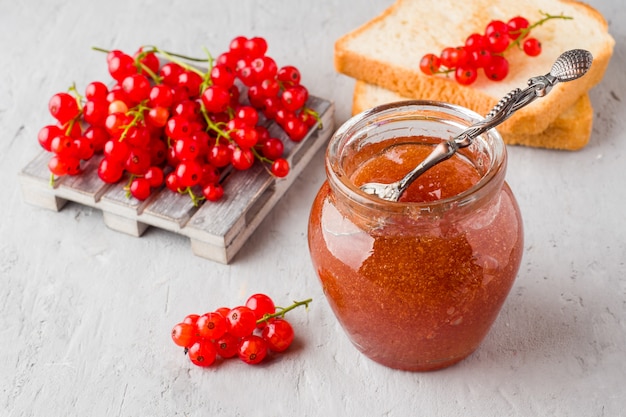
570 130
386 52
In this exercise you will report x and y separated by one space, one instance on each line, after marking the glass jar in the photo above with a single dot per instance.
416 284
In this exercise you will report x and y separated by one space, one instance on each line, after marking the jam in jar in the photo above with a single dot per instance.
416 284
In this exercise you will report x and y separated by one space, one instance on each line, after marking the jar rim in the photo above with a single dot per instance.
384 114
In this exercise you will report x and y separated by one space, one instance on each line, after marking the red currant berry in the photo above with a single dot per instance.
84 148
177 127
241 321
116 151
272 148
140 188
278 334
222 75
136 87
98 137
245 137
211 326
237 46
190 81
110 171
121 66
191 319
264 68
189 173
138 161
158 116
481 58
202 353
64 146
532 47
216 99
169 73
294 97
64 165
475 42
186 149
220 155
155 176
184 334
213 192
252 349
242 158
172 183
465 75
517 26
296 129
96 90
289 75
497 69
95 111
454 57
227 346
148 61
261 304
280 168
248 115
430 64
63 107
255 47
497 34
46 134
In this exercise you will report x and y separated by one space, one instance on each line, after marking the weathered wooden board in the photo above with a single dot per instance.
216 230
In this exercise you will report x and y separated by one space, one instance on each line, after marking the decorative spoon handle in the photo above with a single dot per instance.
569 66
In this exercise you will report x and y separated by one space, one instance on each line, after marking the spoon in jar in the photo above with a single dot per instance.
569 66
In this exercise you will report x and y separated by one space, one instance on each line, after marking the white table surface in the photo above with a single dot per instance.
86 312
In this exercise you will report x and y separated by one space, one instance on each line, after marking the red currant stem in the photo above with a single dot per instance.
316 115
260 157
52 180
282 311
206 78
523 32
137 113
173 57
194 198
127 186
211 125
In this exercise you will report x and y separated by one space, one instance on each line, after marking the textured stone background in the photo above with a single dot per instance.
86 312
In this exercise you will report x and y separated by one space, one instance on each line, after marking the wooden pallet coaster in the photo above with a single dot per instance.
217 230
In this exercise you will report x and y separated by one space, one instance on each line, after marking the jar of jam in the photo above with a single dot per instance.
416 284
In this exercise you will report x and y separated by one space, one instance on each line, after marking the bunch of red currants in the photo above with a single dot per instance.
166 122
249 332
486 51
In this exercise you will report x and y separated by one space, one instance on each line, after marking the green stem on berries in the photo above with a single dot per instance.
524 32
52 180
211 125
173 57
282 311
315 115
206 78
137 113
194 198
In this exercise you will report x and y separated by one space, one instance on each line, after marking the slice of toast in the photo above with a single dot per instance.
570 130
386 52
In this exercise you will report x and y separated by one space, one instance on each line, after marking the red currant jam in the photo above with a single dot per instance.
416 284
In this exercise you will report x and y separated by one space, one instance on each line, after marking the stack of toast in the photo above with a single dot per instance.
383 55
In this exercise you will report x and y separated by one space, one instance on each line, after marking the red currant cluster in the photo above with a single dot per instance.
485 51
249 332
165 121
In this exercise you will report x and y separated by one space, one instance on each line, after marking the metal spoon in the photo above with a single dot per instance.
569 66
